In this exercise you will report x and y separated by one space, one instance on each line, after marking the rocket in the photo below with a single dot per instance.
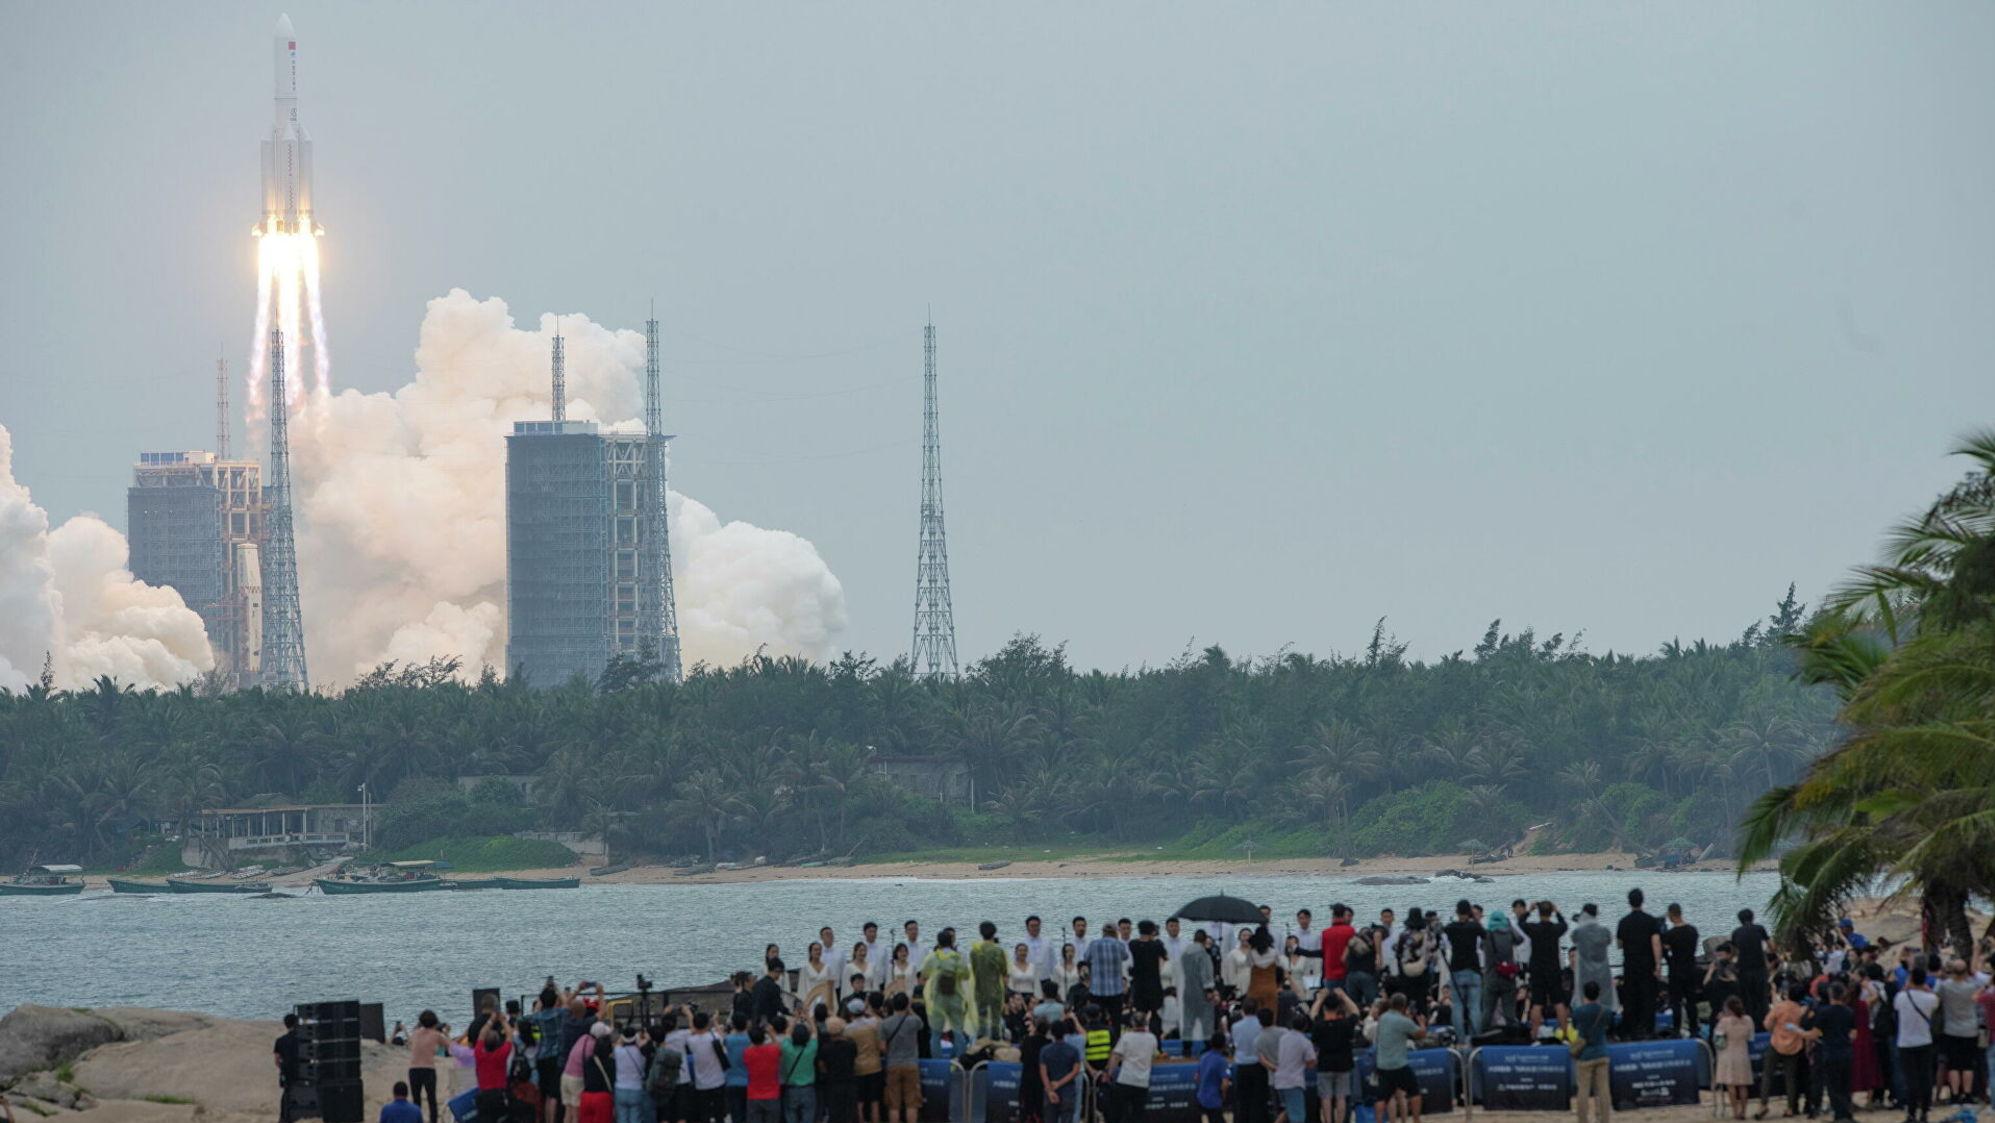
287 155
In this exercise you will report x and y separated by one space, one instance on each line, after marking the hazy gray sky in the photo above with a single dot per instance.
1257 322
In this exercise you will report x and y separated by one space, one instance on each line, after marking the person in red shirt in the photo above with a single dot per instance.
1336 938
491 1057
763 1059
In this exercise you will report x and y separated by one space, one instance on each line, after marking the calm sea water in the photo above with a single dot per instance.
245 957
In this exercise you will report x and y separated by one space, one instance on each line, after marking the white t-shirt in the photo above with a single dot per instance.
1136 1049
1916 1010
703 1050
676 1040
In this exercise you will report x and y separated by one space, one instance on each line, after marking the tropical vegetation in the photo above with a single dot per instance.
1905 801
1342 755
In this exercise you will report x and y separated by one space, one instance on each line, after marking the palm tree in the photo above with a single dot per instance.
1909 645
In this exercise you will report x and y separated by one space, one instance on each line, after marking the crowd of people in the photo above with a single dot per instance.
1090 1012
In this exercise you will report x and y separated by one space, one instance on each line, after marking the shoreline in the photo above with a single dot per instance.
1104 865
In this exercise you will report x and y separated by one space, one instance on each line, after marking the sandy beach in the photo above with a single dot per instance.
1124 864
1134 865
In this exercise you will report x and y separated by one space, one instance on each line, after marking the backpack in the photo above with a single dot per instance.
945 977
1413 954
664 1074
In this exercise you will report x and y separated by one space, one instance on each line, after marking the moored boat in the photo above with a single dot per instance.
126 885
539 882
395 877
477 883
44 881
215 885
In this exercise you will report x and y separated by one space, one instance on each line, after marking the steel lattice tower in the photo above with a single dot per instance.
934 618
221 409
560 376
283 621
662 613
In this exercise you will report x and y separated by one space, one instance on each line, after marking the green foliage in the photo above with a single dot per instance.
1307 755
474 854
422 809
1428 819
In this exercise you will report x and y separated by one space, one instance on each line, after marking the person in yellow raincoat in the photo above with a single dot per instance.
947 993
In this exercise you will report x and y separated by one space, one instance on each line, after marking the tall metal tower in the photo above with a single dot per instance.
661 618
934 618
283 622
560 376
221 409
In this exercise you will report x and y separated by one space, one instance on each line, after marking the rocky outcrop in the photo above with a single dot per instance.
33 1038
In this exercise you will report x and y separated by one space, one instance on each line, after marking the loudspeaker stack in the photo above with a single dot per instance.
329 1047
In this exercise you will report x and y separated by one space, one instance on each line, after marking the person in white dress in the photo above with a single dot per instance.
1023 975
1236 969
902 975
861 964
816 985
1067 972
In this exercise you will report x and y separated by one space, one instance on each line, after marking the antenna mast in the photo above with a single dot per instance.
934 615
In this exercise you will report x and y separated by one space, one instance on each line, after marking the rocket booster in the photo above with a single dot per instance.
287 155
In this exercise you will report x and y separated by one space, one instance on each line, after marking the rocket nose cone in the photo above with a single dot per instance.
284 26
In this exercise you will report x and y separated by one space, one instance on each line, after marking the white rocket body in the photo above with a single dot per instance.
287 155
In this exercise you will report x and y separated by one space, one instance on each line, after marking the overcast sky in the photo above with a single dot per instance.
1257 322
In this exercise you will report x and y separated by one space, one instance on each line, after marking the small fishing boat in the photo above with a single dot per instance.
126 885
539 882
44 881
395 877
477 883
606 871
215 885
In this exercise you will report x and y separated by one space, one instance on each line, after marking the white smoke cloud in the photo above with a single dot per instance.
66 595
401 508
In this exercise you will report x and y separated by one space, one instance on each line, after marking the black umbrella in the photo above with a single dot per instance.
1221 909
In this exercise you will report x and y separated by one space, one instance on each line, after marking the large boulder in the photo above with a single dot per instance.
41 1037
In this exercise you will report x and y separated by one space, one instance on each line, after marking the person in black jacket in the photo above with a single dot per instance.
1547 985
768 1001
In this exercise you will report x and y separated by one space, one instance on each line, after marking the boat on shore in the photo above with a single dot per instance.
395 877
477 883
539 882
215 885
127 885
44 881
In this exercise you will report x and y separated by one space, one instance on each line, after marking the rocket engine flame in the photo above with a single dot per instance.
287 257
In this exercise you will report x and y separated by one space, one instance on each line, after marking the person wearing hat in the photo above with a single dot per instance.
869 1080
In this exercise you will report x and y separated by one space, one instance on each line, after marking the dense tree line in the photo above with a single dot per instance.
1344 755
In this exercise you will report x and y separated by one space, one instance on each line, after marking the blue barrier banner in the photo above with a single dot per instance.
1523 1077
1173 1094
1436 1070
998 1081
1653 1073
939 1089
